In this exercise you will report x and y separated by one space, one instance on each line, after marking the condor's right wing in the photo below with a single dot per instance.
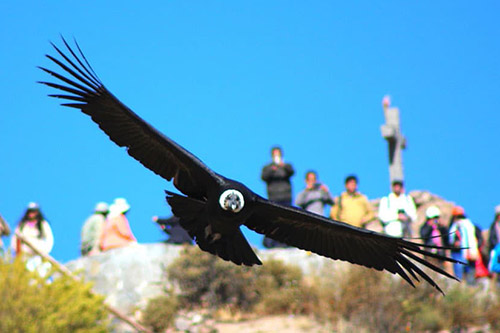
82 89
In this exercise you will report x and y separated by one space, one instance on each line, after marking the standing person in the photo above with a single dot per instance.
397 211
92 229
315 196
494 233
351 206
277 176
35 228
494 246
4 231
434 233
462 235
172 227
116 232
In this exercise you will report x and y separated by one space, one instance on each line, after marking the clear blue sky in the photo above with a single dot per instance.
227 80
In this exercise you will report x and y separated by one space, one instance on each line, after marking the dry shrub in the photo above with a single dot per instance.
428 319
365 300
372 299
160 312
491 305
206 281
378 301
283 289
360 298
461 307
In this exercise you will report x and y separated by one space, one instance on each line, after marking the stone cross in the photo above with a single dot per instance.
391 131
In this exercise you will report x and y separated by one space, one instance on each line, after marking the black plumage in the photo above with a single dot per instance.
213 207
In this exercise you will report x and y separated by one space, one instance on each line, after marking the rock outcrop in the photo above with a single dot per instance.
132 275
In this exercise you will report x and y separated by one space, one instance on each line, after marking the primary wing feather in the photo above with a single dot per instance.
338 240
82 89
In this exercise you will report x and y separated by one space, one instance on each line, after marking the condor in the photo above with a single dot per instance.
212 207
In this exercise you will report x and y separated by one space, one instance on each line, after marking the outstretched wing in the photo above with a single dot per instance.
338 240
82 89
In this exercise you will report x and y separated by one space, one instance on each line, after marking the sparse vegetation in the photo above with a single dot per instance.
206 281
160 312
350 297
365 299
282 289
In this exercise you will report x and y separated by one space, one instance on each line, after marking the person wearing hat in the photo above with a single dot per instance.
35 228
92 229
351 206
494 234
493 245
397 211
116 232
433 232
462 236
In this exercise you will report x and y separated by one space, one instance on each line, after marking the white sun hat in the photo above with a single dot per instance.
120 205
432 211
101 207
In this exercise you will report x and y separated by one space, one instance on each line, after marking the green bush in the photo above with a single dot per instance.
160 312
30 304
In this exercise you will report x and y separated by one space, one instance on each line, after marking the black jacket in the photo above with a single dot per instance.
493 238
426 234
277 178
172 227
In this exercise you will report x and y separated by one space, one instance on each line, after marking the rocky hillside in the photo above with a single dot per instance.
132 275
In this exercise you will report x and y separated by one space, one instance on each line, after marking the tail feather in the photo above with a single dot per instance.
234 248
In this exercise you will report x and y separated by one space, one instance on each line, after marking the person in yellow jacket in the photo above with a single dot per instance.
351 206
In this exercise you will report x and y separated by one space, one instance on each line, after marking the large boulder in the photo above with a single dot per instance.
130 276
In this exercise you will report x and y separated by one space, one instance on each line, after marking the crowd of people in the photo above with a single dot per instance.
397 214
108 228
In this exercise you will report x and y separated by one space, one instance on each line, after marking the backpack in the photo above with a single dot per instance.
494 265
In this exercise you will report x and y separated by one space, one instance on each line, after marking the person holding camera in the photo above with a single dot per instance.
315 196
277 176
433 232
397 211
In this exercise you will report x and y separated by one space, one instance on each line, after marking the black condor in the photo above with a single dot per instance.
212 207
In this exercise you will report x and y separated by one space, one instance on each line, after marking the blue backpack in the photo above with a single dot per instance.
494 265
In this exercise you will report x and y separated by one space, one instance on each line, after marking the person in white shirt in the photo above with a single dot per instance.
397 211
462 236
35 228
